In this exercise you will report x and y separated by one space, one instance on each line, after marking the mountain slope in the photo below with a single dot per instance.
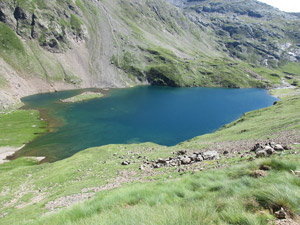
55 193
47 46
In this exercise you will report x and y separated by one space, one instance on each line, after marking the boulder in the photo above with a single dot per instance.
269 150
193 157
272 144
160 160
257 147
156 166
210 155
199 158
225 152
186 160
261 153
281 214
278 147
181 152
125 163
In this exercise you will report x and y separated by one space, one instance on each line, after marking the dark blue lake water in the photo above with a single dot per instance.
162 115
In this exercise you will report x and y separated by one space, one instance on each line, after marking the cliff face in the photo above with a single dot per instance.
54 45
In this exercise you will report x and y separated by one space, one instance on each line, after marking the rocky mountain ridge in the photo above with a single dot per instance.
47 46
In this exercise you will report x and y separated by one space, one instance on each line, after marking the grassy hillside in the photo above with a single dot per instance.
20 127
30 190
227 196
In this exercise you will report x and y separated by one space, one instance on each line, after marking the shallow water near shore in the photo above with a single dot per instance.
162 115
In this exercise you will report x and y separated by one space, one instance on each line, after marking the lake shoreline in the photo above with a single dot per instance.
8 153
136 98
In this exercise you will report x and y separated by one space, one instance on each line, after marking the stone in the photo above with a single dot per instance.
186 160
281 214
257 147
156 166
199 158
258 173
269 150
278 147
225 152
193 157
125 163
261 153
272 144
160 160
210 155
181 152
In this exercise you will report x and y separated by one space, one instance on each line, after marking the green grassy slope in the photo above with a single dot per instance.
228 196
31 190
20 127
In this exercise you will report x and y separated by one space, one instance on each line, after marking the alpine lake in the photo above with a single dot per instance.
163 115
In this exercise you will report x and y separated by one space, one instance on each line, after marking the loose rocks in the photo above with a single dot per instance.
183 158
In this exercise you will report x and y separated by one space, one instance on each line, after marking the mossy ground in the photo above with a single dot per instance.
226 196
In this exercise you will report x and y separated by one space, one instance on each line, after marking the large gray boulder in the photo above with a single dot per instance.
278 147
261 153
186 160
269 150
210 155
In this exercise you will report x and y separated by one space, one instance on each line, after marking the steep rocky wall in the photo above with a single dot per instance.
55 45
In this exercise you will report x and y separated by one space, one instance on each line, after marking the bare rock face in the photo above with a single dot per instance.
229 19
45 26
20 14
2 16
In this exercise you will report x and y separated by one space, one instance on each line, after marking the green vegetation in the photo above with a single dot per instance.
3 81
225 196
228 196
291 68
83 97
9 41
76 23
20 127
163 46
